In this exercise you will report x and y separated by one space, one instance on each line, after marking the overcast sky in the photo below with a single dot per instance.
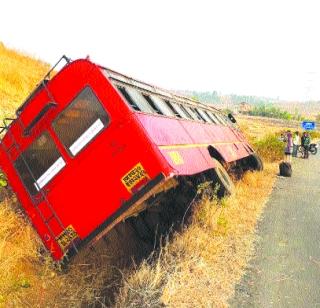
269 48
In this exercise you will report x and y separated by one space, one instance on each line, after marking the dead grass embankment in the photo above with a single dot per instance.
201 265
29 279
19 74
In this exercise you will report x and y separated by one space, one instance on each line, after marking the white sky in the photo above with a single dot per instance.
268 48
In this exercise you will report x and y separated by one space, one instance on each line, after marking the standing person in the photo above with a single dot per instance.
289 146
296 143
305 141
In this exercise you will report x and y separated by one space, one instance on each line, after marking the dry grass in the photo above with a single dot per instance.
201 265
18 76
29 279
256 128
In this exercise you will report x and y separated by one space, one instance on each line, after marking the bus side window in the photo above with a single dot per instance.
163 106
128 98
139 100
193 113
214 115
152 104
174 109
180 109
81 121
188 113
213 119
223 121
204 115
200 115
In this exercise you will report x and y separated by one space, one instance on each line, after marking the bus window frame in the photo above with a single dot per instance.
105 126
152 104
38 188
141 93
204 114
190 112
159 101
202 117
186 112
213 119
173 109
127 98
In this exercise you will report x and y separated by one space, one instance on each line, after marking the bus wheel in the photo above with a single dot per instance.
255 162
221 178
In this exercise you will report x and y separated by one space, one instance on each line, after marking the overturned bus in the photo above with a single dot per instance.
90 146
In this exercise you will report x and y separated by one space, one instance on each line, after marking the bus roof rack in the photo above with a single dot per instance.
5 126
42 84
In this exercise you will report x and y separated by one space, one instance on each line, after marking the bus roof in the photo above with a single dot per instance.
114 75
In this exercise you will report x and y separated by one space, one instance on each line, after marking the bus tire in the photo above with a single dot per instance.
223 180
255 162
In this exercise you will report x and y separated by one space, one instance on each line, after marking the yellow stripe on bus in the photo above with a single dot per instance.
194 145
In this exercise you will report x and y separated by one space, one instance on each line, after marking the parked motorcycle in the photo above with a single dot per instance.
313 148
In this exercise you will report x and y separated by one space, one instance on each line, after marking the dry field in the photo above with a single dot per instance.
18 76
199 266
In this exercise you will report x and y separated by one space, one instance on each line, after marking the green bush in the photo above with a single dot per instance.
3 180
314 134
270 148
270 111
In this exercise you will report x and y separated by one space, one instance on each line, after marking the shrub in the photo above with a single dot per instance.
3 180
314 134
270 147
270 111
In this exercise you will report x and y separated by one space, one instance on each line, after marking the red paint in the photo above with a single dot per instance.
88 190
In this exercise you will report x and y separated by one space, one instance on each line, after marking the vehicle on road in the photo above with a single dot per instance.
313 149
90 147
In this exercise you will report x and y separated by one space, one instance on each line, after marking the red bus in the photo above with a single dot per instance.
90 146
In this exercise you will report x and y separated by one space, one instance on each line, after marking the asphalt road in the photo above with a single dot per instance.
286 269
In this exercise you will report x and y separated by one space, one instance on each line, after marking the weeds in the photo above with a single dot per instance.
3 180
270 148
314 135
19 74
200 265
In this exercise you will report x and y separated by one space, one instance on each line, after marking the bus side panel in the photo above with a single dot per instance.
184 143
188 161
164 131
169 133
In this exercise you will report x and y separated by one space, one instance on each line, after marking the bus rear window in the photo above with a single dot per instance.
39 163
81 121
